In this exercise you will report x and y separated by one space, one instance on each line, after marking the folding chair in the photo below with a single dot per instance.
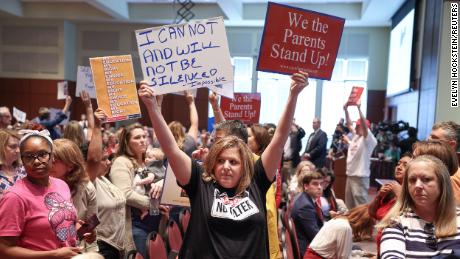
184 218
156 248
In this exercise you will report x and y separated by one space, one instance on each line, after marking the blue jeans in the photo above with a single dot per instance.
140 238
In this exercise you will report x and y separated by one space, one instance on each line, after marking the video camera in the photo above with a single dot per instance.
395 127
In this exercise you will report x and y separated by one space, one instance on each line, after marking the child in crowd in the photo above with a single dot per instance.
153 172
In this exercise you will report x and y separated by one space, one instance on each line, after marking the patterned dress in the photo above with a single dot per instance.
5 183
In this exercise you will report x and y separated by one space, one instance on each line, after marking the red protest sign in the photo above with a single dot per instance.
297 39
355 95
244 107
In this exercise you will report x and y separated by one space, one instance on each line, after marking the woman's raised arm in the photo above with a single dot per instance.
272 155
178 160
95 150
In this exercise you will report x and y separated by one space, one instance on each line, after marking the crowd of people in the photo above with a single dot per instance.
237 178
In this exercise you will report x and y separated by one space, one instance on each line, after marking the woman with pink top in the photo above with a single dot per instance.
38 217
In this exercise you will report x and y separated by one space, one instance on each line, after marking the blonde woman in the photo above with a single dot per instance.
74 131
129 163
424 221
295 184
11 168
227 196
187 141
69 166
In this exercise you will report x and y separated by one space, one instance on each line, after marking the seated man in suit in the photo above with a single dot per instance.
306 211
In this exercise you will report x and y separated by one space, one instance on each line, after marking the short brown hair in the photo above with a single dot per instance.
308 177
440 150
245 155
261 136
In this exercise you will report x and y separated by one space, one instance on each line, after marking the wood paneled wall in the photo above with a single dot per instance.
375 105
29 95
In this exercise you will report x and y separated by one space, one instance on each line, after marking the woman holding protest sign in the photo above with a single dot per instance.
187 141
228 195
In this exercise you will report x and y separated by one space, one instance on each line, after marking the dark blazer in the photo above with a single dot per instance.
296 145
306 219
317 148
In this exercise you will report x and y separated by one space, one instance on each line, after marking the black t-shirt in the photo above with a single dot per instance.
222 226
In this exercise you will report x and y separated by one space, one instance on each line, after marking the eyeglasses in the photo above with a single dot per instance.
431 241
41 156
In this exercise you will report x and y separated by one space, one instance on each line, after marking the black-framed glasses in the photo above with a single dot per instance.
41 156
431 241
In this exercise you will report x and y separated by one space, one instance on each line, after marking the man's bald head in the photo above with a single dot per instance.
5 117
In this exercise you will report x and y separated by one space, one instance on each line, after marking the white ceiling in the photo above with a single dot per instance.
363 13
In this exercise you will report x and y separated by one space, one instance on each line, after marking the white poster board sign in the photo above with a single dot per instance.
85 82
62 90
385 181
19 115
172 193
186 56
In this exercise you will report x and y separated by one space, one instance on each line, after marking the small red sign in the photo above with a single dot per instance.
296 39
355 95
244 107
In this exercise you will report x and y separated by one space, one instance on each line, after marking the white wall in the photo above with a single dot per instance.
32 49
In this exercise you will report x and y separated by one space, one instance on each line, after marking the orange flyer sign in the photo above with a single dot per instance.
244 107
296 39
355 95
116 87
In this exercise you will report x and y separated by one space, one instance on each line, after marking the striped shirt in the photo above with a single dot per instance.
414 237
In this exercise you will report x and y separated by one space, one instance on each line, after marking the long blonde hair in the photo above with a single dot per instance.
74 132
70 154
177 129
446 221
5 135
123 144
